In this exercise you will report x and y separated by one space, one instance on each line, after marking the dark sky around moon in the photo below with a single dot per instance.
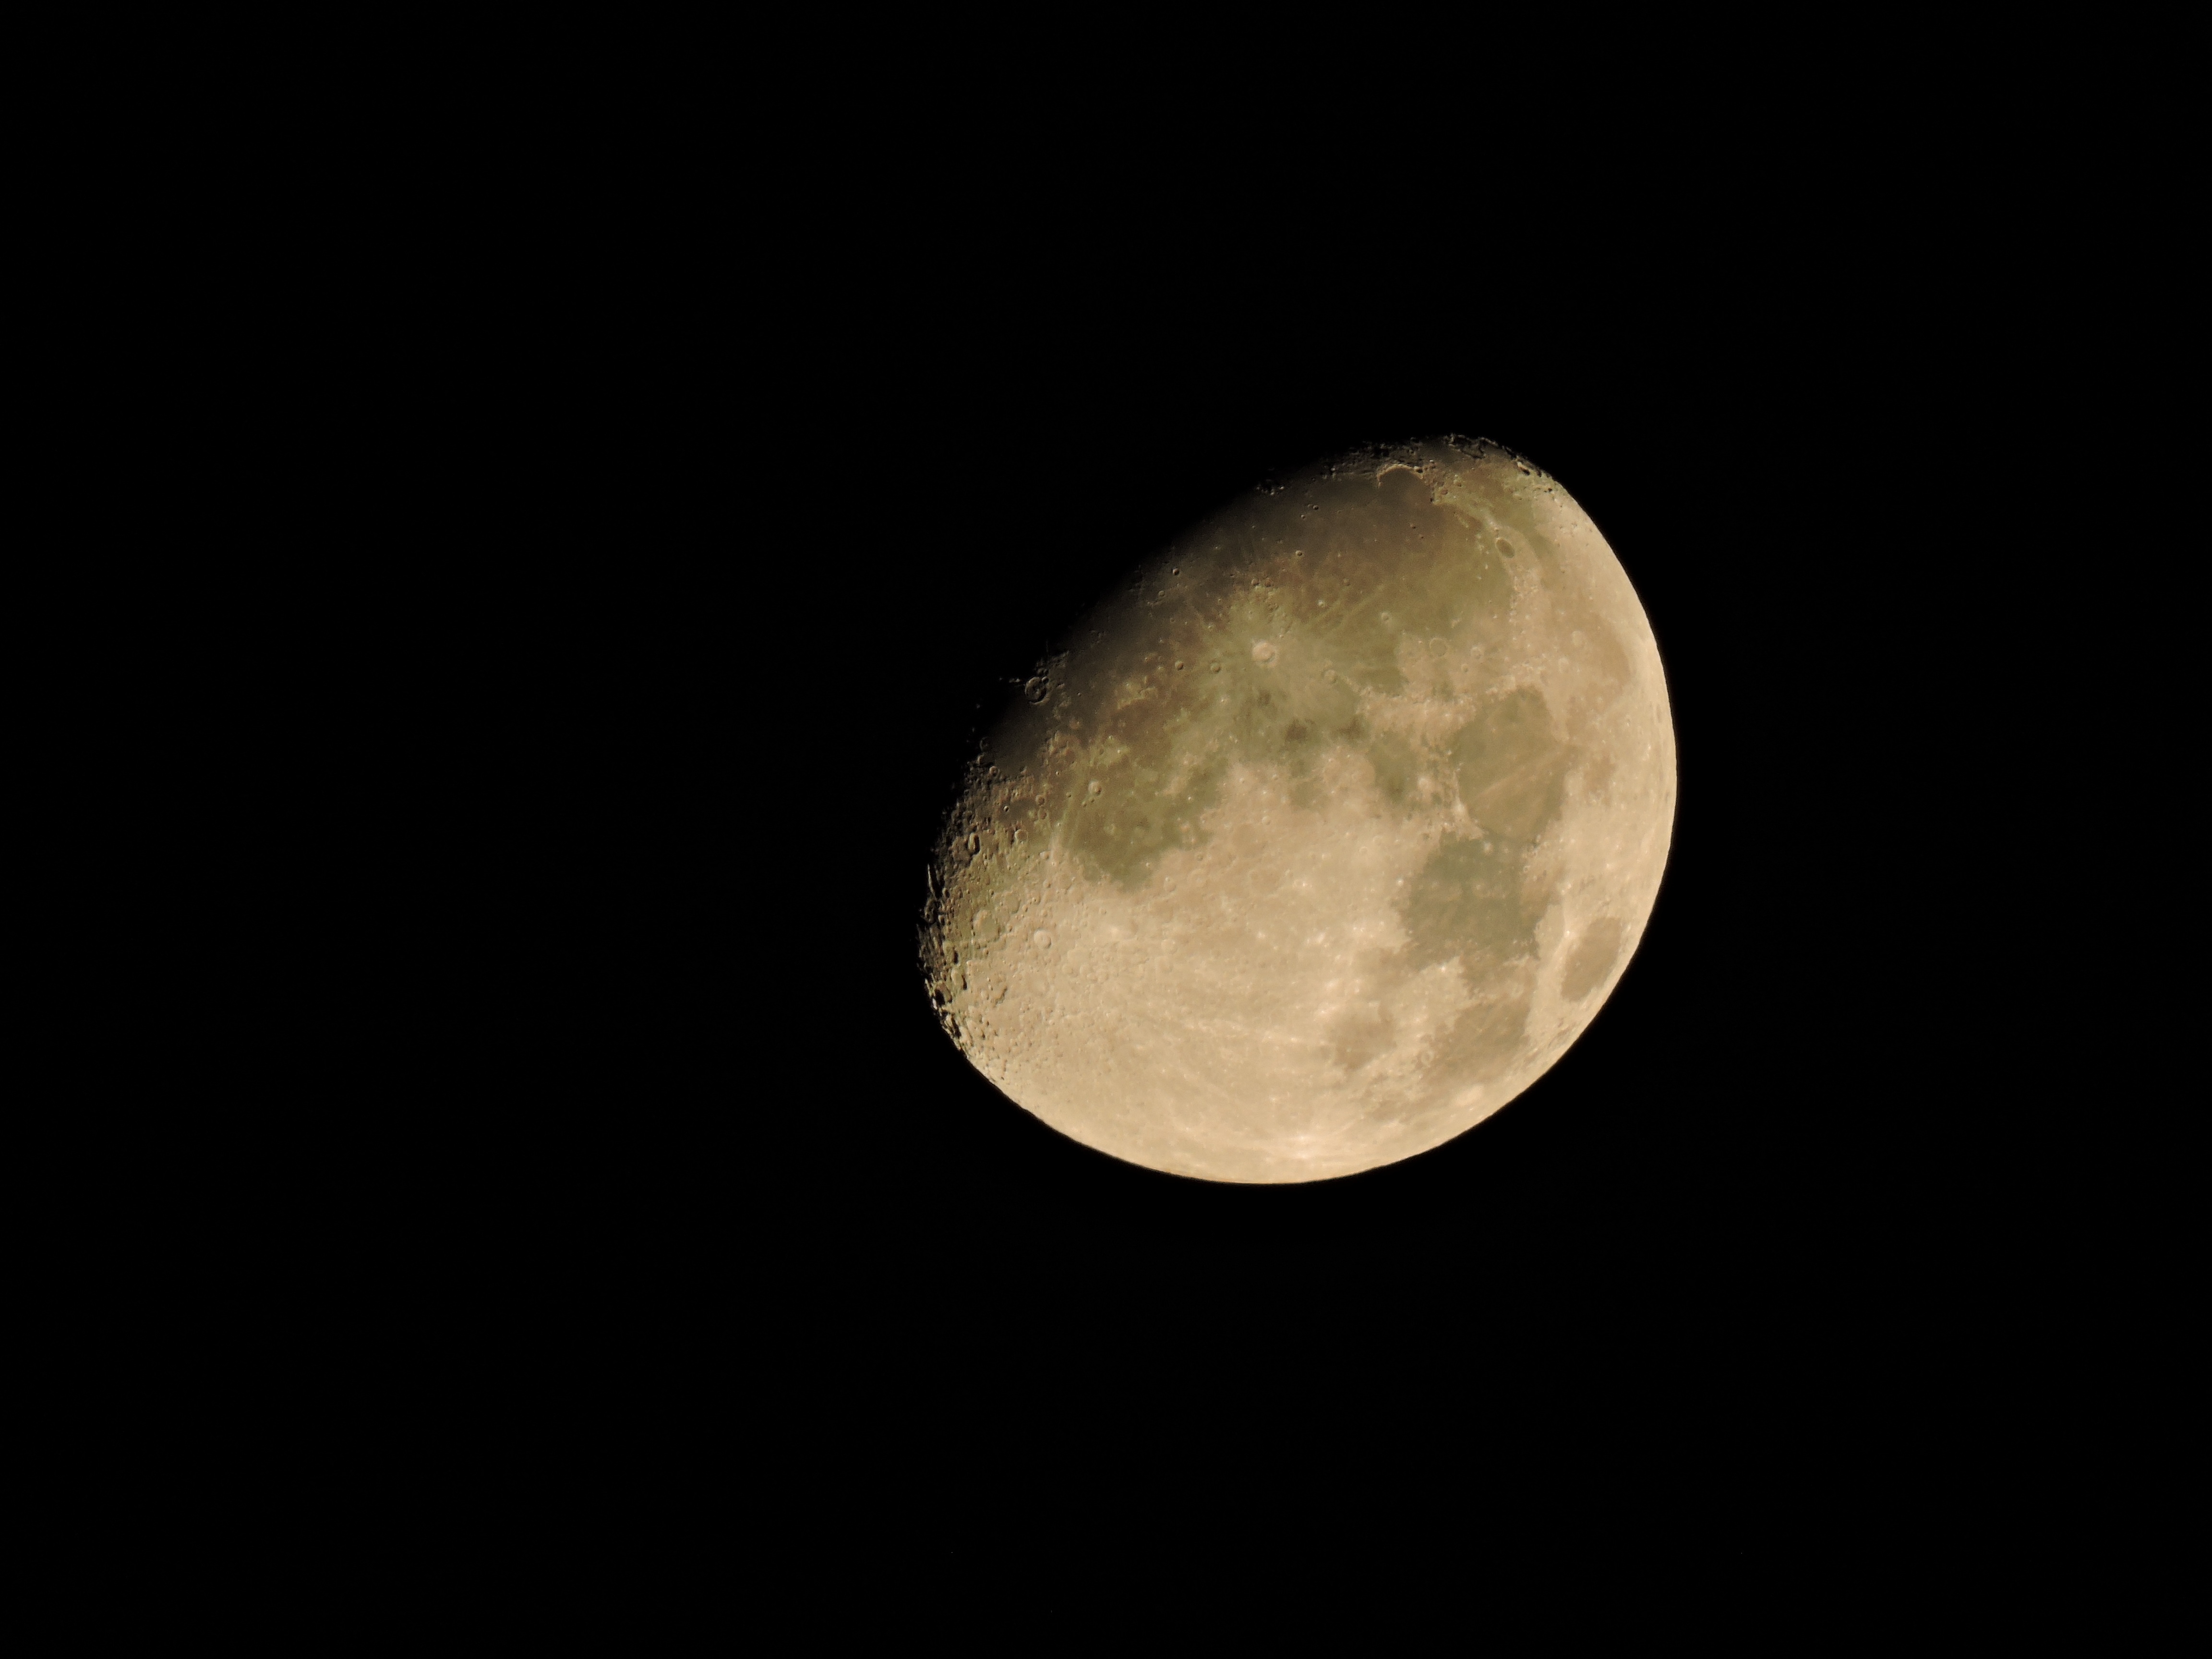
718 678
688 608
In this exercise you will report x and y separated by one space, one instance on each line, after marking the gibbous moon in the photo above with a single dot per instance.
1326 836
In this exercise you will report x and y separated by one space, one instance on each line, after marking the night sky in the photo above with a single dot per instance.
689 596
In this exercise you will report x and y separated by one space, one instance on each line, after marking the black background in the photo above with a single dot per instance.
554 529
692 577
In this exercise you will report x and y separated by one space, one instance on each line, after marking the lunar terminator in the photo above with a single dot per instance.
1330 834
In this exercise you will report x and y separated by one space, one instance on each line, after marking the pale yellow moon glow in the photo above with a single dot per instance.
1327 836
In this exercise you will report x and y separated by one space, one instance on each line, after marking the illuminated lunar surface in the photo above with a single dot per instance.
1326 836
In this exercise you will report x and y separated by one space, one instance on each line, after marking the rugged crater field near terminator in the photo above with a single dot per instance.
1325 836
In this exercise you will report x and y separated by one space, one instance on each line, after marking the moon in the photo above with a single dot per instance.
1325 836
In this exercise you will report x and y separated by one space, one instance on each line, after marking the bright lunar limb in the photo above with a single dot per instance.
1327 836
